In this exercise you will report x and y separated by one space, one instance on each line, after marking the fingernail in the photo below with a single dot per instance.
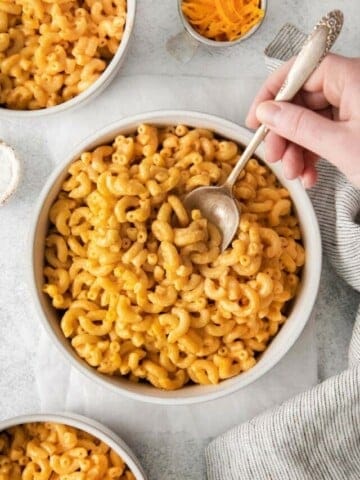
307 183
268 113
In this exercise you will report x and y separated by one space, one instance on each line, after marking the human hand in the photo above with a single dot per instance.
322 121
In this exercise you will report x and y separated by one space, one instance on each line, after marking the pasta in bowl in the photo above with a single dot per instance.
55 55
138 285
65 447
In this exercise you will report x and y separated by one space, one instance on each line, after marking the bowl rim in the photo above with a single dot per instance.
88 425
307 294
97 87
215 43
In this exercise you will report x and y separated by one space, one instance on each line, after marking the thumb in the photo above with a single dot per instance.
304 127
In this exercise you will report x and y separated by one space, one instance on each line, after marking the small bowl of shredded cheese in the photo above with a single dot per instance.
221 23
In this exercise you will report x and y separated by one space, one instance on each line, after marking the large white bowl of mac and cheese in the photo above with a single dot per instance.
134 290
58 55
64 446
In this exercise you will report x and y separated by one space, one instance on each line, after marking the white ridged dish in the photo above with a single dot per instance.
302 306
87 425
10 171
97 87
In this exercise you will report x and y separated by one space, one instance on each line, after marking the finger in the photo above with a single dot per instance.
310 174
293 161
331 76
310 157
275 147
305 128
335 114
298 100
314 100
328 113
267 92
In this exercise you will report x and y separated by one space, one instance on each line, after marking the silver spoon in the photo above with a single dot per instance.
217 203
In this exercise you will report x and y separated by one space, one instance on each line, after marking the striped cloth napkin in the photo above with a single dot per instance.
316 434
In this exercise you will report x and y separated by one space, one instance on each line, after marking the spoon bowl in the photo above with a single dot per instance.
219 207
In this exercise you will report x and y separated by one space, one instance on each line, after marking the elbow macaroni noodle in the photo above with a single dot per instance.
142 288
49 451
50 51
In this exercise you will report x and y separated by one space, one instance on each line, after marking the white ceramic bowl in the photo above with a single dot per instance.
87 425
97 87
289 332
214 43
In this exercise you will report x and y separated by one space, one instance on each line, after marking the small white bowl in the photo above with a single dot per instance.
215 43
10 172
290 331
87 425
97 87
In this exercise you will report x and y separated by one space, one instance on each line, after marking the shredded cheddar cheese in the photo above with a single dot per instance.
222 20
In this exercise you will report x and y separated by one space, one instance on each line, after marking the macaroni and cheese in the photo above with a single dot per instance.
141 285
54 451
50 51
